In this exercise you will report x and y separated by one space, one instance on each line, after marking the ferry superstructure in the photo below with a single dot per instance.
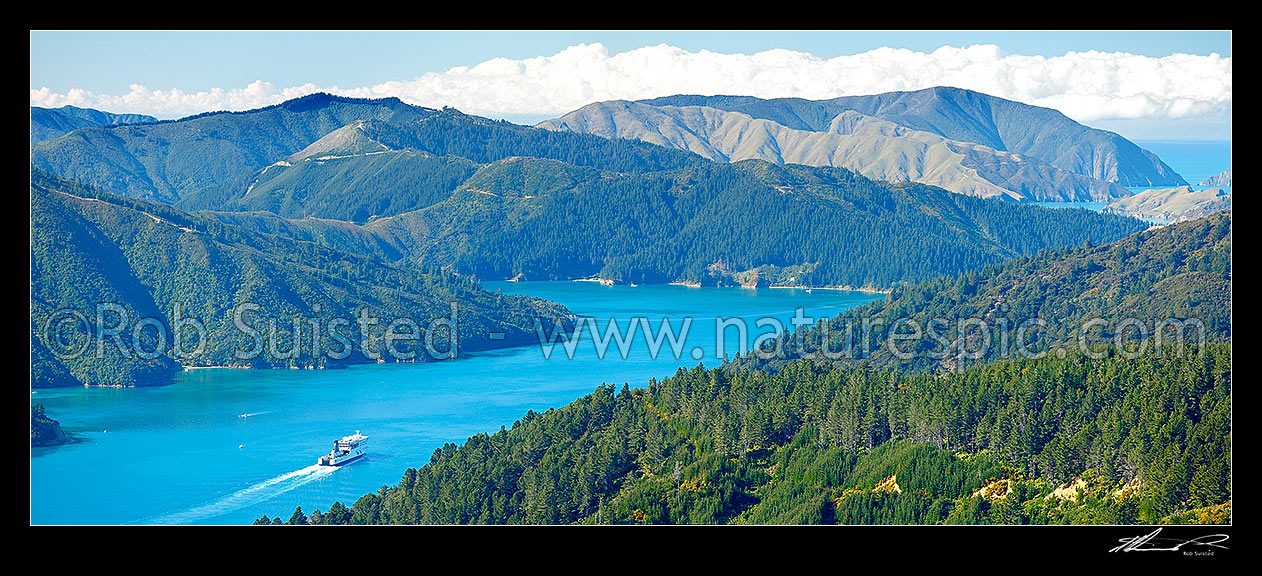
347 450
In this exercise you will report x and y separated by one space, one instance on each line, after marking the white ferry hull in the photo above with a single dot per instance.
341 460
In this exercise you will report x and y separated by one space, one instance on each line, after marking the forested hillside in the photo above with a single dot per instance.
438 188
1070 440
44 430
1171 280
720 224
145 260
543 219
209 160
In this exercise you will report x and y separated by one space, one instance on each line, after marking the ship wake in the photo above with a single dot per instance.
248 496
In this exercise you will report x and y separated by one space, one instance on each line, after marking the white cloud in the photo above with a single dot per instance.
175 102
1086 86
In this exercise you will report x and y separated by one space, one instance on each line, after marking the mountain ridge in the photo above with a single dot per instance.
201 160
424 187
871 146
999 123
49 123
1220 179
518 217
964 141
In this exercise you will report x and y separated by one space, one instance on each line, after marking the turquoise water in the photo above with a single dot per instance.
1093 206
227 446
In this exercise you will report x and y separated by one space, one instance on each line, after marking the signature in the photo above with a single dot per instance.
1151 543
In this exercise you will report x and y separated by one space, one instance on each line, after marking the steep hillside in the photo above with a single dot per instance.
544 219
1220 179
1167 280
968 116
140 260
439 188
44 430
49 123
210 160
873 147
199 161
347 175
1047 441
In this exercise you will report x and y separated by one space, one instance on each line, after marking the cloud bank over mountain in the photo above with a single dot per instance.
1086 86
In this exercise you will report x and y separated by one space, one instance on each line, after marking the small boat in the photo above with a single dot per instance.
347 450
241 447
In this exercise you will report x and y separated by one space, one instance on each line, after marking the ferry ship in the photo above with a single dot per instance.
345 451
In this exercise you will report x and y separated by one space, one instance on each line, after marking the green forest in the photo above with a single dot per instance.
436 188
1100 434
324 207
1046 441
1171 280
546 220
144 260
44 430
542 219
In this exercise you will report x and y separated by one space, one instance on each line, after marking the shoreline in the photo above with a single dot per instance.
340 365
601 281
687 284
833 288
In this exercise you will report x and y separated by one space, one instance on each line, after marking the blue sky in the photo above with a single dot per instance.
200 60
104 68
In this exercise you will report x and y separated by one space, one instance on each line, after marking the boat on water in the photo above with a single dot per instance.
347 450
